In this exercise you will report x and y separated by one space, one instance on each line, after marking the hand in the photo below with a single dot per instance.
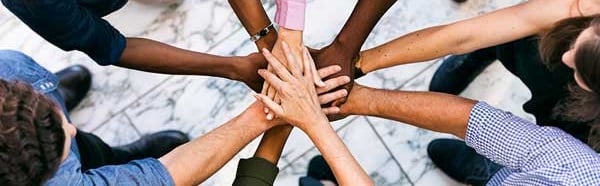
335 54
293 40
248 74
299 102
246 71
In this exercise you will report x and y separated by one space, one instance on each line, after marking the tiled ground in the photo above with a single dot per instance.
125 104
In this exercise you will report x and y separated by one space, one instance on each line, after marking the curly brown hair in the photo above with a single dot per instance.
31 135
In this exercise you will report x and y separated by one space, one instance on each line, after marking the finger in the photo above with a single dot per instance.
310 63
265 90
333 83
331 110
278 67
317 79
293 64
328 71
270 104
265 84
271 93
277 98
329 97
273 80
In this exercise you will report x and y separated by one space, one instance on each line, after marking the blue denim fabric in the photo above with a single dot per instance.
18 66
74 25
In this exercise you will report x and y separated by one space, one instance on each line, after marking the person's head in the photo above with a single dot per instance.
575 42
34 135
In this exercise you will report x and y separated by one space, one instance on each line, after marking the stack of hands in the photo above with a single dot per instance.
298 101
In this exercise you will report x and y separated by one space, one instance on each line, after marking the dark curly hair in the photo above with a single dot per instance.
31 135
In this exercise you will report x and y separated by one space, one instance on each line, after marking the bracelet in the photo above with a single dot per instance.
262 33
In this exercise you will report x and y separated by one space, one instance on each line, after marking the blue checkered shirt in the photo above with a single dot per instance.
531 154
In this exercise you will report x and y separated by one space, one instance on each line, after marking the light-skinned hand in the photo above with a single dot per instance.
300 105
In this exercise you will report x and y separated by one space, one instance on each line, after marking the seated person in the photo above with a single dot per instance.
32 109
515 36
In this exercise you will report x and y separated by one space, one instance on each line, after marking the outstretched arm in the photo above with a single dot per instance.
434 111
70 27
194 162
537 151
254 18
505 25
344 50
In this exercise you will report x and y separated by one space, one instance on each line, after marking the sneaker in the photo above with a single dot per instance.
318 174
461 162
74 83
458 71
152 146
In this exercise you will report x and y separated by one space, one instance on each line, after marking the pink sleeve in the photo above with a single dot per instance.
290 14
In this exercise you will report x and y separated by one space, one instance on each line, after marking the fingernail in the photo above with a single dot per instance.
346 79
269 116
344 92
266 110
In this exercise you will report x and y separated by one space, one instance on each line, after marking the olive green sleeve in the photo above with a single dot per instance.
255 172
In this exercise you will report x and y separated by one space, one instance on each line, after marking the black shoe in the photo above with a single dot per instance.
461 162
318 170
457 72
75 82
151 146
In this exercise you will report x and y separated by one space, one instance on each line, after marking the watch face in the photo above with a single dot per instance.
263 32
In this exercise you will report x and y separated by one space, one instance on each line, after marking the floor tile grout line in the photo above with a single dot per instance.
387 148
166 79
313 147
235 31
132 102
130 121
346 124
418 74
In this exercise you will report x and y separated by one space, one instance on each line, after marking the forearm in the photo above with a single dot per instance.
518 21
346 169
194 162
364 17
254 18
272 144
152 56
434 111
422 45
294 40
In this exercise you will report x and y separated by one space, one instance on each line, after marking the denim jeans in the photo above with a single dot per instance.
89 158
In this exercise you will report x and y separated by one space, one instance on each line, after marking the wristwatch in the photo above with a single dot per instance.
262 33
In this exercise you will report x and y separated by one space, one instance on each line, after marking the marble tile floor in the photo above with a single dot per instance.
126 104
